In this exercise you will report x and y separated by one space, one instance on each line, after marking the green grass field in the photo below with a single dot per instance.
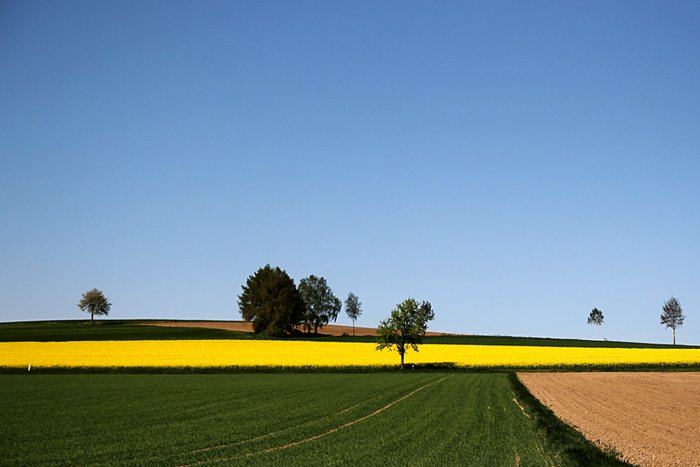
135 330
74 330
274 419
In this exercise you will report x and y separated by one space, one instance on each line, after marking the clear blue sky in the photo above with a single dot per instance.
514 163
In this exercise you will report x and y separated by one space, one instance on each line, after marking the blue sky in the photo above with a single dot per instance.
514 163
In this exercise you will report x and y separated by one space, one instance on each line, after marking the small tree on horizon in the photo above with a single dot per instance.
405 327
672 315
596 319
353 309
94 302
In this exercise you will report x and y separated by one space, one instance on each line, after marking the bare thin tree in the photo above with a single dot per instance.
672 315
353 309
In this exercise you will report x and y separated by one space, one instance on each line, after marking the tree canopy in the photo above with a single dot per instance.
596 319
672 315
353 308
405 327
94 302
321 306
271 301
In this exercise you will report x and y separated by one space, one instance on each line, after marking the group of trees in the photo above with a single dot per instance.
275 305
272 302
672 316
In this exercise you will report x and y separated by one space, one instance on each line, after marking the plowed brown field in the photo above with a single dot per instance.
330 329
651 419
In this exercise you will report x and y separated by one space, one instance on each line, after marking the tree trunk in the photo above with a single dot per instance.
315 328
674 336
402 360
92 317
353 328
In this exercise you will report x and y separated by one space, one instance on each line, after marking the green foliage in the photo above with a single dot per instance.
672 315
94 302
321 306
353 308
596 319
245 419
271 301
405 327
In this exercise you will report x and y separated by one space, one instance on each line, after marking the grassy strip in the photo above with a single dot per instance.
562 437
81 330
62 331
500 340
422 368
544 342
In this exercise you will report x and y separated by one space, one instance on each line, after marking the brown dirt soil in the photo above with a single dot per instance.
650 419
246 326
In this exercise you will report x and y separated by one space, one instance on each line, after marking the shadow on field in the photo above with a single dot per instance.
560 436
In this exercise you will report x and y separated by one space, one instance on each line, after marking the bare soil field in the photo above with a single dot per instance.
331 329
650 419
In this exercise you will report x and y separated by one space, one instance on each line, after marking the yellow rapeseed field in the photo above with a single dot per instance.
224 353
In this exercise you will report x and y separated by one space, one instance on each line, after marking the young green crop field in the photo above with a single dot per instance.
73 330
275 419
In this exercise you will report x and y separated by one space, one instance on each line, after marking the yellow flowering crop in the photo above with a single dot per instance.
221 353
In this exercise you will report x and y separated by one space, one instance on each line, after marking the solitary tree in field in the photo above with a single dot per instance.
672 315
94 302
271 301
596 319
405 327
352 309
321 306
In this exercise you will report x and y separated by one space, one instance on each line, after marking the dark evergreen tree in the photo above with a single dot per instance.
271 301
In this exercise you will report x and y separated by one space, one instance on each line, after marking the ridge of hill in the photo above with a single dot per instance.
81 330
335 330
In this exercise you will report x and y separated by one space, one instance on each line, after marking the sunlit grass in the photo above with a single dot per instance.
268 419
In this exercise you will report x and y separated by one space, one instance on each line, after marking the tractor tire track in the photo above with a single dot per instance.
320 435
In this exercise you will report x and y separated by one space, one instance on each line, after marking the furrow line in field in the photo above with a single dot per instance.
273 433
320 435
515 399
